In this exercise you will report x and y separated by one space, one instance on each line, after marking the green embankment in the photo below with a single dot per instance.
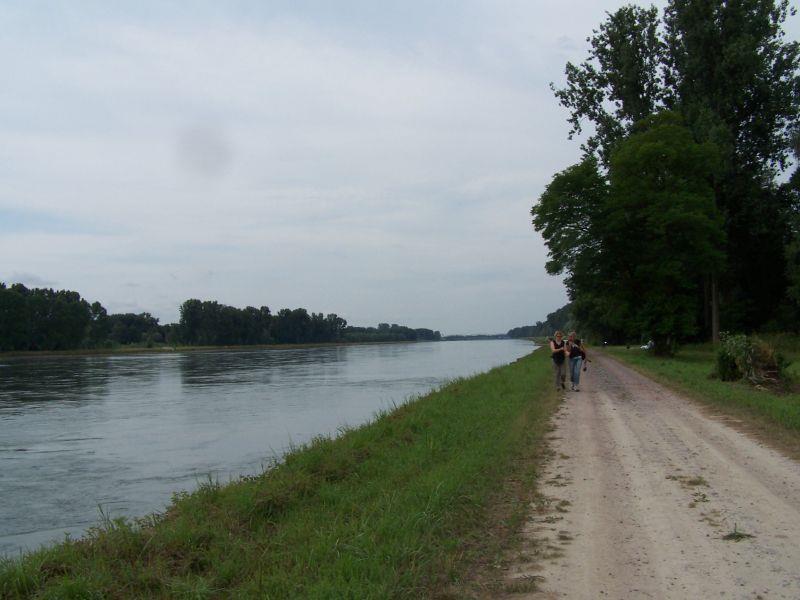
398 508
690 372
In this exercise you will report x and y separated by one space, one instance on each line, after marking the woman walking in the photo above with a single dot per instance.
559 354
577 354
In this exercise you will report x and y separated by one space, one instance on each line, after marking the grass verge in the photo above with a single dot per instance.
394 509
775 417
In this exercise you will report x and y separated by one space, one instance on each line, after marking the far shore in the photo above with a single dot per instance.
165 349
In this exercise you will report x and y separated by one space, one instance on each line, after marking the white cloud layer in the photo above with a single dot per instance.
380 164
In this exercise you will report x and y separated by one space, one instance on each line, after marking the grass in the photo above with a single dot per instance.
736 535
776 415
398 508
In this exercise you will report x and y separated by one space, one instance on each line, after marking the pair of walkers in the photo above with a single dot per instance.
569 353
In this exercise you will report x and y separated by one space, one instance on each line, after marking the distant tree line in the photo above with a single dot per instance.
560 319
476 337
47 319
390 333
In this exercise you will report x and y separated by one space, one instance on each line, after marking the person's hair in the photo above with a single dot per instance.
573 333
558 333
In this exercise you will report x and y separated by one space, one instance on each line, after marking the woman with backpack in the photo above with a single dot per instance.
559 354
577 354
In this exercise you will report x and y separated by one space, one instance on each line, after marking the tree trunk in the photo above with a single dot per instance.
714 309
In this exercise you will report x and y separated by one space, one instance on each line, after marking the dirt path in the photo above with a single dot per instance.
642 489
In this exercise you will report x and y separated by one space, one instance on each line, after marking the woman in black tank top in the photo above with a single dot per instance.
559 350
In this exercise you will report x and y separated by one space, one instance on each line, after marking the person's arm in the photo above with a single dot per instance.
552 346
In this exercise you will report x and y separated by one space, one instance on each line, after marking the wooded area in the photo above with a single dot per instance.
46 319
682 218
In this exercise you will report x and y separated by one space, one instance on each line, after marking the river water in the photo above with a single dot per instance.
122 433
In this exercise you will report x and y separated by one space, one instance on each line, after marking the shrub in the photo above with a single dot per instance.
726 365
751 358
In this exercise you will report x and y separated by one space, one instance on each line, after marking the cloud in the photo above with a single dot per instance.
29 280
303 162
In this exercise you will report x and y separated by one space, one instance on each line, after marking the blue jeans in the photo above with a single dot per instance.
575 370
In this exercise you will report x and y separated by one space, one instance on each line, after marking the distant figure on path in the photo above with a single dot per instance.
559 350
577 354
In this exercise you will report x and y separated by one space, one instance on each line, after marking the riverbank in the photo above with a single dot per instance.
774 417
165 349
396 508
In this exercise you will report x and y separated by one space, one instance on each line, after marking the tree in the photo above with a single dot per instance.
661 231
792 251
13 319
620 83
131 328
569 215
99 327
636 248
560 319
737 84
726 68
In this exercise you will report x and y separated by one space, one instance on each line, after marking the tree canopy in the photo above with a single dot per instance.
637 245
46 319
730 81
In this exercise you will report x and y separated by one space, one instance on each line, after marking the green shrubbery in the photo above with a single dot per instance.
750 358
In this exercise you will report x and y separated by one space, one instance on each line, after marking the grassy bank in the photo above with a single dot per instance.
777 415
395 509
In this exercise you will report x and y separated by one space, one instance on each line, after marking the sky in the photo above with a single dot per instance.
378 160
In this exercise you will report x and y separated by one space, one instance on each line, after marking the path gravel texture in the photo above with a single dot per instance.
640 492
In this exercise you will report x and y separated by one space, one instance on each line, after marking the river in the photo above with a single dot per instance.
121 433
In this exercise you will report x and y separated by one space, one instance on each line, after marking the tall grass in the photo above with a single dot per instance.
393 509
690 371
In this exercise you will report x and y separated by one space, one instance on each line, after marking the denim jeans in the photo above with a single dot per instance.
575 370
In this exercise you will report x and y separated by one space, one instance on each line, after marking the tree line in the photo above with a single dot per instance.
560 319
681 219
47 319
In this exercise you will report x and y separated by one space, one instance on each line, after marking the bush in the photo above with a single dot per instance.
751 358
726 365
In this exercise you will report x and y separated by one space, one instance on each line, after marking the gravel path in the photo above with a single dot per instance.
640 492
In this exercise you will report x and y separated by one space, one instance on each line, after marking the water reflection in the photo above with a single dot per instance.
125 432
26 384
257 366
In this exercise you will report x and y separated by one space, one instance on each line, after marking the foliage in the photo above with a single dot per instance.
726 68
130 328
619 84
209 323
660 232
749 358
560 319
45 319
772 411
42 319
390 333
791 190
651 229
394 509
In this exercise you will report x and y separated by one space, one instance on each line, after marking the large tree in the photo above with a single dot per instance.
726 67
619 83
637 247
663 234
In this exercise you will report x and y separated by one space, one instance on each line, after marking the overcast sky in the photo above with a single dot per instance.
374 159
